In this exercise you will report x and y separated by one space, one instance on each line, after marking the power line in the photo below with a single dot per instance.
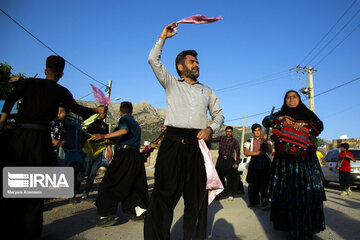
328 31
271 77
322 49
50 48
319 94
341 85
90 93
336 46
343 110
254 115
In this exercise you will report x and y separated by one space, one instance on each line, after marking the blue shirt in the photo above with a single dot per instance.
132 138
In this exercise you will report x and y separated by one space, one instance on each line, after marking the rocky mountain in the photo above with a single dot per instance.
151 119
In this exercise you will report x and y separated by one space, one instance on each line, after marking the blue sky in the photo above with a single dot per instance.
245 58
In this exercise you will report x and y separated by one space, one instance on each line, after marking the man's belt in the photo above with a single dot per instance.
124 146
181 140
34 126
225 157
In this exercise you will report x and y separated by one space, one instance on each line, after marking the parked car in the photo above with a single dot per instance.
242 164
246 160
332 175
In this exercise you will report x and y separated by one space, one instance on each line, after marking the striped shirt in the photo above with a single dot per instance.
227 146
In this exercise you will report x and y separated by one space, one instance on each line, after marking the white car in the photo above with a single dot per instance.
332 175
242 164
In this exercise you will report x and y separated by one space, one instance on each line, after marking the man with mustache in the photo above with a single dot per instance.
180 166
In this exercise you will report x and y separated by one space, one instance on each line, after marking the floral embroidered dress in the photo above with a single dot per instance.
296 184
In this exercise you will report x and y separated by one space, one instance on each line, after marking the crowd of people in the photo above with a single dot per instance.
290 183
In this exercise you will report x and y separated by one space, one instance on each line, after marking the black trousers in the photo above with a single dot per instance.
179 170
344 179
25 147
258 180
24 218
124 181
233 185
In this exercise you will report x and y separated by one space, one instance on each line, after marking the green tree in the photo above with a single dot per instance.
5 74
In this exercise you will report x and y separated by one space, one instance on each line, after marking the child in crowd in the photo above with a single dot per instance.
343 165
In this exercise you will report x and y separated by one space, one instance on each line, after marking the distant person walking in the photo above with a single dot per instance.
30 143
226 166
343 165
321 159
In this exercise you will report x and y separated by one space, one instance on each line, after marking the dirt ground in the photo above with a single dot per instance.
226 219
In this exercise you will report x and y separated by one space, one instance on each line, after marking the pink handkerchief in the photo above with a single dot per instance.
99 95
198 19
213 183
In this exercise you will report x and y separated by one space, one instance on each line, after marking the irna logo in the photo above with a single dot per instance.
19 180
38 182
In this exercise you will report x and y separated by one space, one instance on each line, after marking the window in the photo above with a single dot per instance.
355 153
332 156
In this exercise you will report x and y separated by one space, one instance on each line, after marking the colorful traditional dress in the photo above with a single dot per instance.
296 184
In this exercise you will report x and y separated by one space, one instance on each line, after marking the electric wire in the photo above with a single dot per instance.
322 49
341 111
316 95
322 39
341 85
267 78
90 93
336 46
32 35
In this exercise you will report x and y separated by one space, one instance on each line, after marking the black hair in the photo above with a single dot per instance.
106 107
63 108
255 126
180 58
126 107
229 127
345 145
55 65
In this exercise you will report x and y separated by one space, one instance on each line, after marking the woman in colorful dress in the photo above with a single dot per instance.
296 184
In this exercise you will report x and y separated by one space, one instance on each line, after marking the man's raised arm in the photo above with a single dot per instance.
155 55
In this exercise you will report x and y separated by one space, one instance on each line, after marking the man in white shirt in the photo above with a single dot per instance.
180 166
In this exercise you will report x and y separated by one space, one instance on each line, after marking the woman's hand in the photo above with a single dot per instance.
299 125
289 120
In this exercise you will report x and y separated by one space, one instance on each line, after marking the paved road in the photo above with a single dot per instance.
226 220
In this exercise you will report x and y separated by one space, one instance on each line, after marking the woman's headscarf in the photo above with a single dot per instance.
300 112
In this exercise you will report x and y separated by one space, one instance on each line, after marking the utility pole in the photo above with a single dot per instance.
308 91
108 88
108 91
242 139
310 72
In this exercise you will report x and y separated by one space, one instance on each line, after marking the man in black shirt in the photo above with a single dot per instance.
30 143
